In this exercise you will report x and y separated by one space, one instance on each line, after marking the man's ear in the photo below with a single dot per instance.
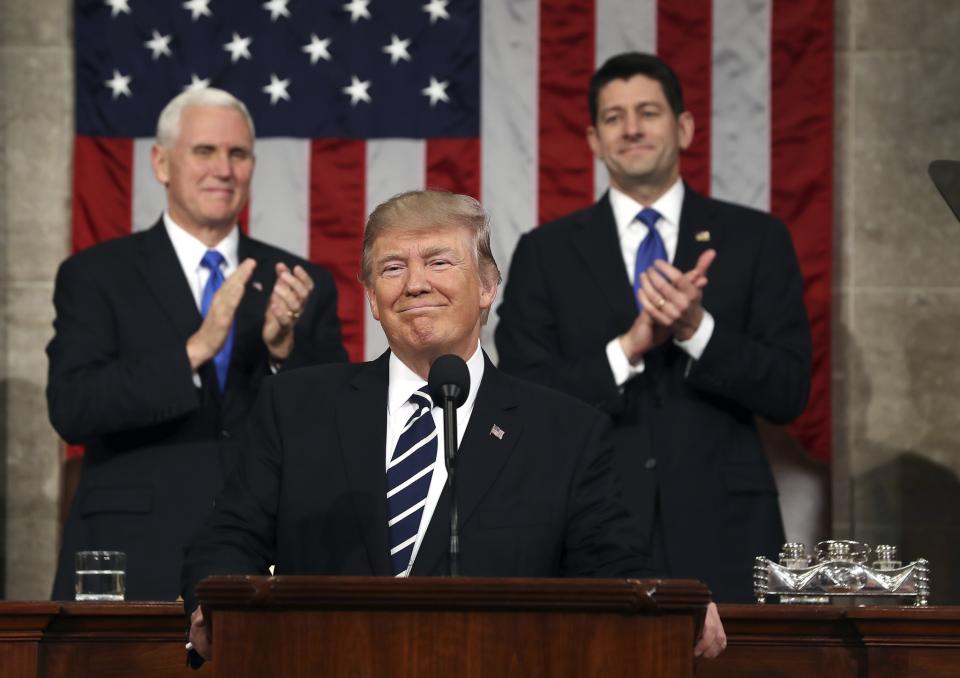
593 141
685 129
160 162
372 300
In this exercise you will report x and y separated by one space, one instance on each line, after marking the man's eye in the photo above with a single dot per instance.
239 154
392 269
203 151
439 263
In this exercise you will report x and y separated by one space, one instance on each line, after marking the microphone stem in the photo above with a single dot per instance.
450 458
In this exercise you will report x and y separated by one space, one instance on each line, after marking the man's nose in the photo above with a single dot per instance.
632 125
221 165
418 281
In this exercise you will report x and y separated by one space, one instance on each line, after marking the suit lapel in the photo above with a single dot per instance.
597 241
480 459
362 424
248 348
697 232
164 277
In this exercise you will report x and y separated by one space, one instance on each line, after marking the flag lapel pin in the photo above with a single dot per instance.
497 432
702 236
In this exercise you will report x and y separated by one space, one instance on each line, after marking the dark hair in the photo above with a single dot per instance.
625 66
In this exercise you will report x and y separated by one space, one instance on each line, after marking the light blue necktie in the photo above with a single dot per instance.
213 260
651 249
408 480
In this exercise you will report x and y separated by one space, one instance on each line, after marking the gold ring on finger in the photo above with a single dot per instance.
294 314
661 302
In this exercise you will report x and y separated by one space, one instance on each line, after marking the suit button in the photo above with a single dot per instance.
224 434
650 464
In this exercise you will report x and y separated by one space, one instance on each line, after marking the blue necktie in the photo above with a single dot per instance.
651 248
212 260
408 479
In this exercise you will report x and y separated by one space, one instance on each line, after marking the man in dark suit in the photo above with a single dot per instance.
684 358
343 472
162 341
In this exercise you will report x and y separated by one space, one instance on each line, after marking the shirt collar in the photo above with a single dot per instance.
190 250
404 381
625 208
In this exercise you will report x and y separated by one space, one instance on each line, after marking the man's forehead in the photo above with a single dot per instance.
630 91
214 124
421 238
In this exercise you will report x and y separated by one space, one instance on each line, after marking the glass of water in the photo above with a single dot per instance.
101 575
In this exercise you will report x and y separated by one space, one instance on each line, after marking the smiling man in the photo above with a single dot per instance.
162 340
680 316
343 473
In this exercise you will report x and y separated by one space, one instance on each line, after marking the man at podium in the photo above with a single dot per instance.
343 470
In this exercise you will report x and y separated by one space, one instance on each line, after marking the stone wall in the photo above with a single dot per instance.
36 122
897 293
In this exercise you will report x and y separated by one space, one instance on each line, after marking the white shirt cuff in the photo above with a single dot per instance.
622 370
697 344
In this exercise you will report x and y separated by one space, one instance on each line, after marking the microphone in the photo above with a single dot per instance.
449 384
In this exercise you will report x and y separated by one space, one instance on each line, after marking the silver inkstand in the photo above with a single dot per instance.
841 570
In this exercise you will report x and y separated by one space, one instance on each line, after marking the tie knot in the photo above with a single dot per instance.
212 260
648 217
422 399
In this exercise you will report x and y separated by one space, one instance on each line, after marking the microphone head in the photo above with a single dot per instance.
449 378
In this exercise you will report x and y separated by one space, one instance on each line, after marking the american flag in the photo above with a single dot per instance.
357 100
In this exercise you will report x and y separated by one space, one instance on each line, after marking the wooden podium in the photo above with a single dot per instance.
461 627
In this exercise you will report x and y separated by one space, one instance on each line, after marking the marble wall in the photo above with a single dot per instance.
36 120
897 299
897 294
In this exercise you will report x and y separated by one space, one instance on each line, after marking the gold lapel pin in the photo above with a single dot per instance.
702 236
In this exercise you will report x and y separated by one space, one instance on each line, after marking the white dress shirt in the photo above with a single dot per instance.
403 382
190 253
631 232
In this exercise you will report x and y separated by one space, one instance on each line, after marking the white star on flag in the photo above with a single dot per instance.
358 10
196 82
277 89
198 8
397 49
159 45
437 91
119 84
357 89
317 49
277 8
238 48
437 9
118 6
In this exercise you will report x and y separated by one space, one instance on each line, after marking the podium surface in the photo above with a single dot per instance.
464 627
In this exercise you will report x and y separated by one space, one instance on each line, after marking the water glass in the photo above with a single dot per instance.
101 575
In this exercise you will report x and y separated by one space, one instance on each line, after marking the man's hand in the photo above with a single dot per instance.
209 339
647 332
673 298
200 635
287 301
712 639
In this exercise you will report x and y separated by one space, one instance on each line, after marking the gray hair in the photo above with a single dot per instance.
424 210
168 124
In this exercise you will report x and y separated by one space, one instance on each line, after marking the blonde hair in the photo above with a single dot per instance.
425 210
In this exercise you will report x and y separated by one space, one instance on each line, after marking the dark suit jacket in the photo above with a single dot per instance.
682 428
310 492
157 448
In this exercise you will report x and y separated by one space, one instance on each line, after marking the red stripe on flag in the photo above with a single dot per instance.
337 199
567 54
454 165
801 139
102 189
685 41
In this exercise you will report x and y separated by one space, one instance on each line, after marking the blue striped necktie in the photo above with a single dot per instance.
651 249
408 479
213 260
